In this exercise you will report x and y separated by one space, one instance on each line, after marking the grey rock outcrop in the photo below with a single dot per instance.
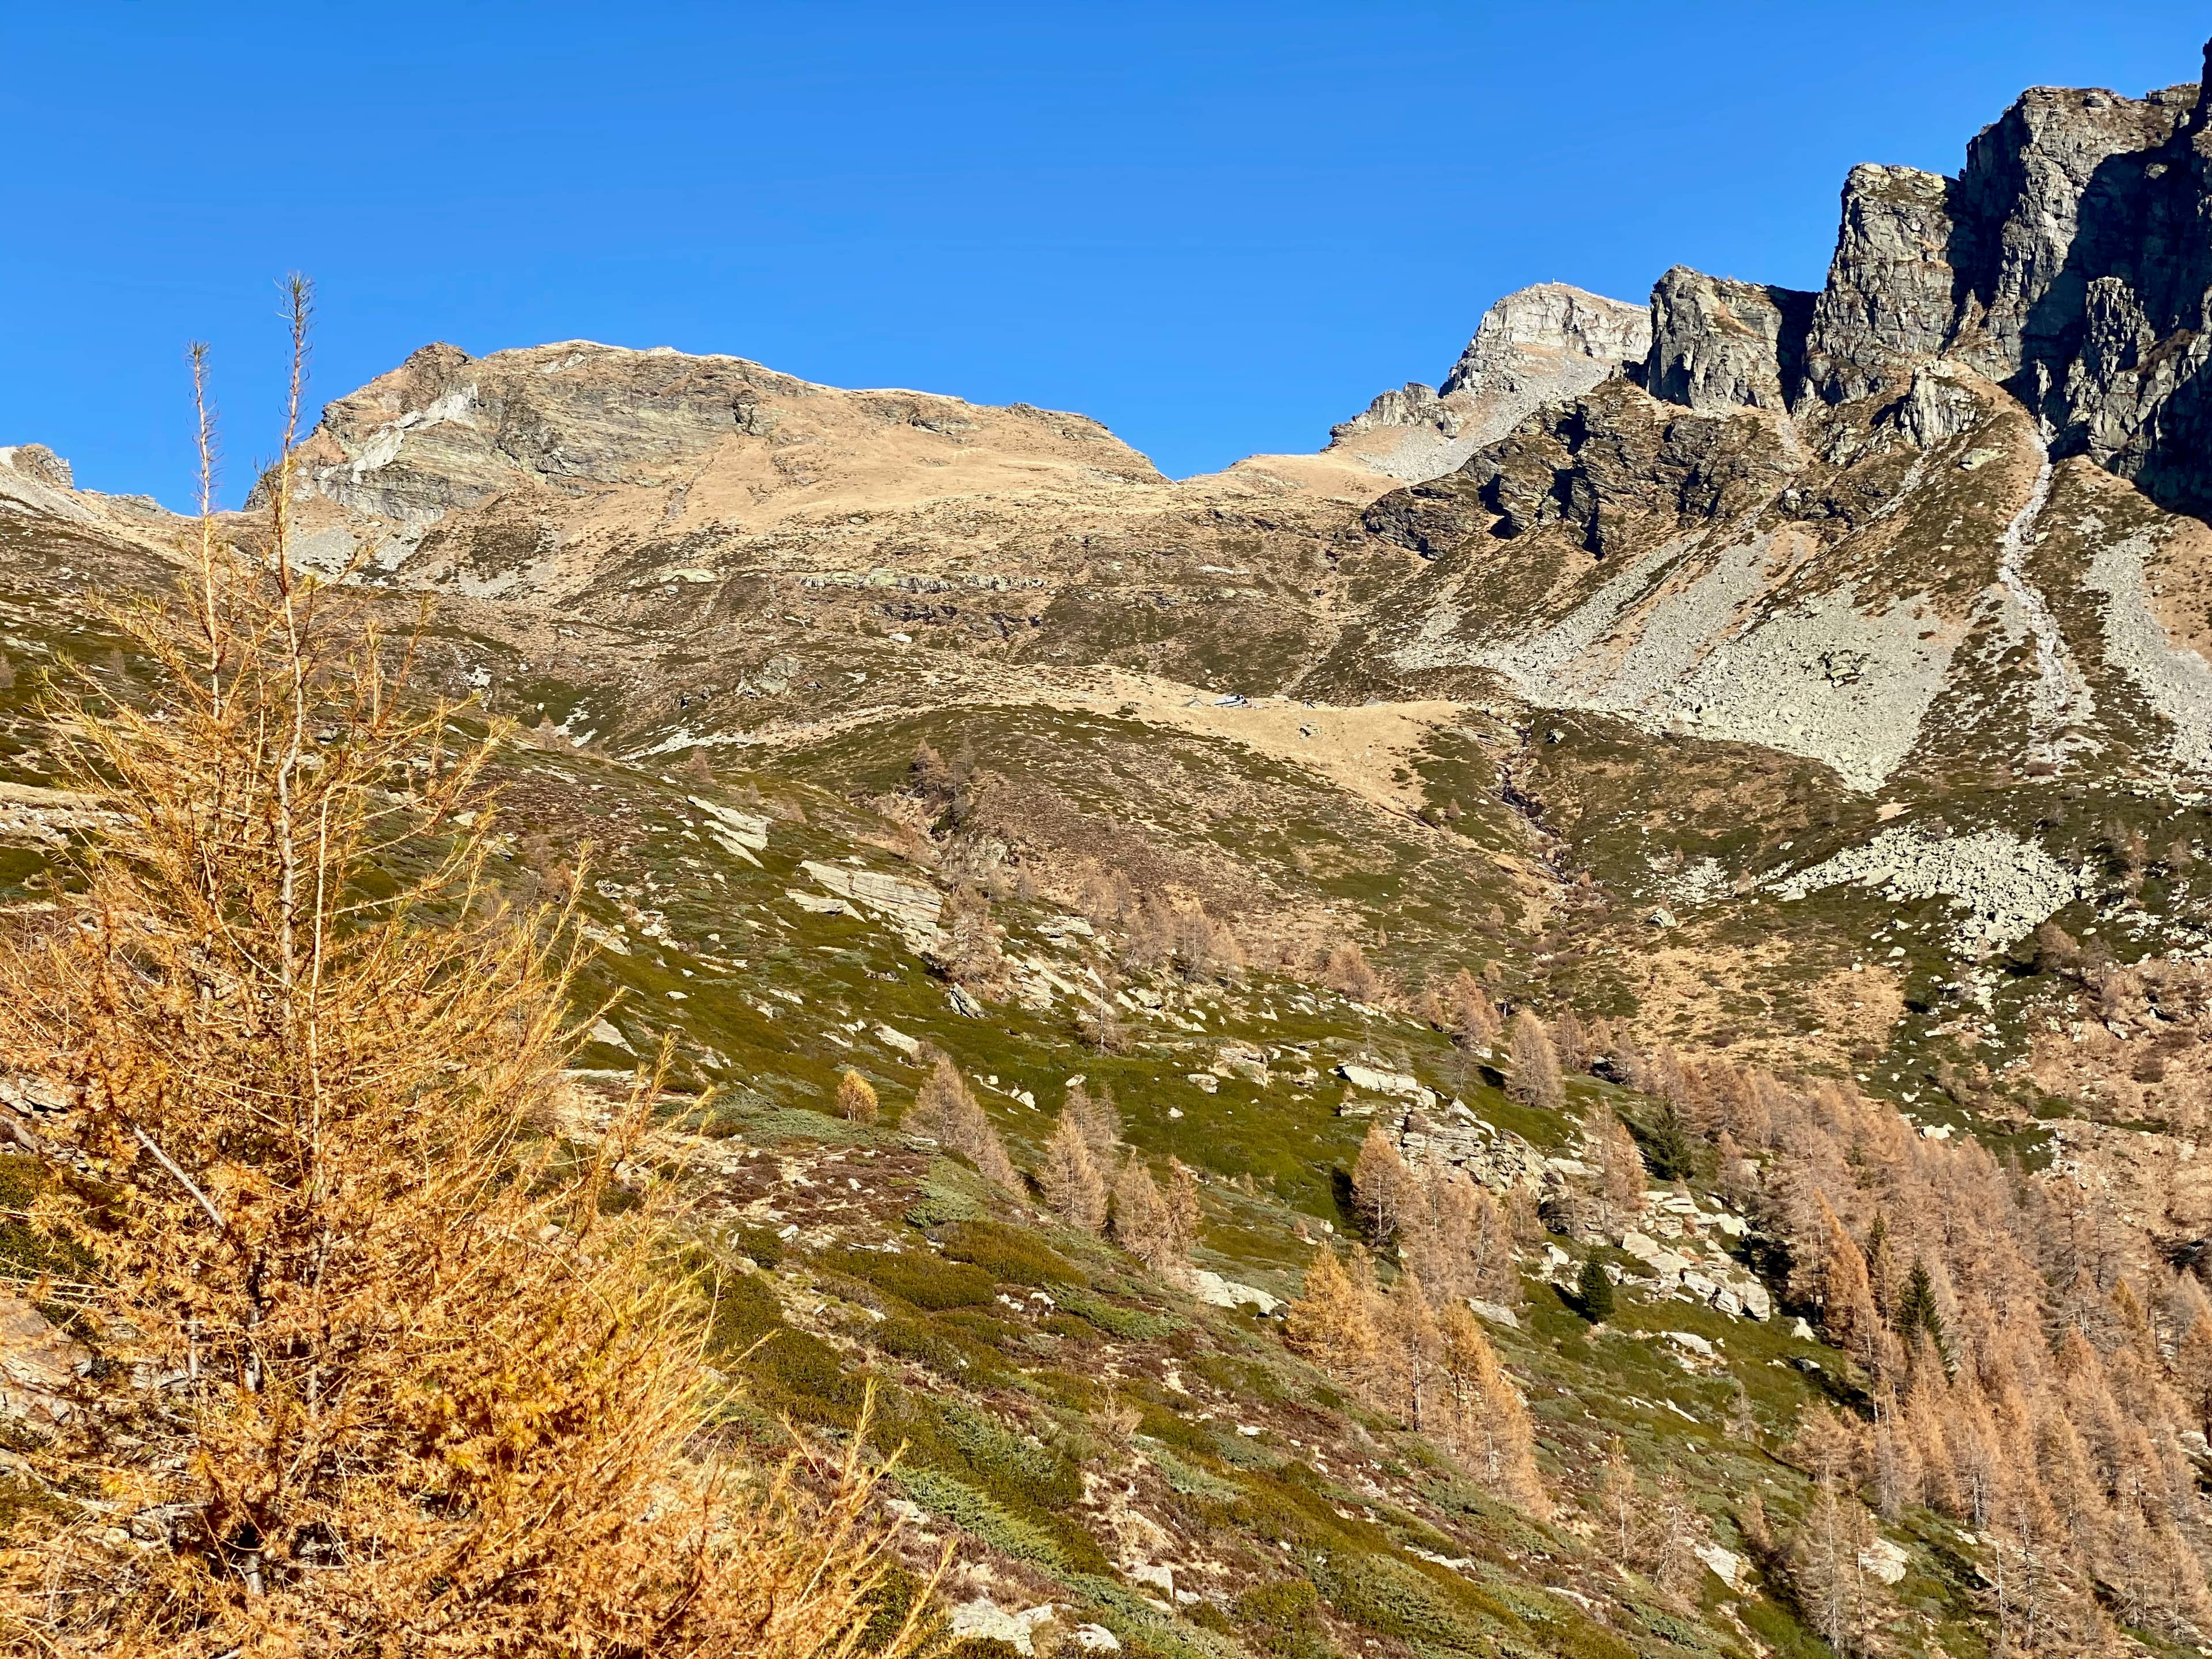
1548 341
1540 346
1719 343
1607 463
39 463
1414 403
2069 261
1889 298
446 432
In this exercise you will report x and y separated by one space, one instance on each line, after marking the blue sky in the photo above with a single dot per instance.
1218 228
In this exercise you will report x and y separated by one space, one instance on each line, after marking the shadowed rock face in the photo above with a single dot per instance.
2069 262
1882 525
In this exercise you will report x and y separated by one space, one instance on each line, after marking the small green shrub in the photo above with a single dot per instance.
1189 1479
1009 1465
1130 1324
889 1600
805 1378
1390 1598
1081 1394
956 1501
1009 1254
1280 1618
1282 1515
1572 1637
914 1276
760 1244
1286 1604
1246 1379
946 1196
947 1351
26 1252
1020 1498
745 1310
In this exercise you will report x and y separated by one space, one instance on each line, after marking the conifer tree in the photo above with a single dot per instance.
1916 1313
856 1099
1619 1502
928 777
1534 1079
946 1108
1332 1322
1069 1180
423 1388
1183 1213
1670 1156
1470 1017
1459 1240
1594 1290
1827 1570
1348 973
1487 1419
1384 1191
1141 1216
1570 1042
1882 1271
1409 1345
970 952
1847 1309
2192 1370
1100 1120
1620 1165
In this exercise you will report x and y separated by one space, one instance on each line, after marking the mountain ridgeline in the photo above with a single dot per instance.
1579 1025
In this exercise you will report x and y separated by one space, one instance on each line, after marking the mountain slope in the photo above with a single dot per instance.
1797 705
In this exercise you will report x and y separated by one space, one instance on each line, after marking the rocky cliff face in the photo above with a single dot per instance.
1717 343
1883 526
2069 261
1539 345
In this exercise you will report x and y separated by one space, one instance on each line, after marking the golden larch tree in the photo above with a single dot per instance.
381 1370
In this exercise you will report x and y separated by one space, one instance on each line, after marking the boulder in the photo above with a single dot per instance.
982 1620
38 1362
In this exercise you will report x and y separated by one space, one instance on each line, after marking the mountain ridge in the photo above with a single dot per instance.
1708 884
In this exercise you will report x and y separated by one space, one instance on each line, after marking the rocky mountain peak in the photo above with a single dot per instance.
1537 345
447 432
1540 339
2068 261
39 463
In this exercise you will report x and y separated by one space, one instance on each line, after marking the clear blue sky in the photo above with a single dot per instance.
1217 227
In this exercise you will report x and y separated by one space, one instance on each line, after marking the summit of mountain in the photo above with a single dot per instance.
1537 345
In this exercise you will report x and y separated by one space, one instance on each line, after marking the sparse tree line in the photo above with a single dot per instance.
2030 1363
2146 1042
1416 1352
1425 1360
1085 1174
942 811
